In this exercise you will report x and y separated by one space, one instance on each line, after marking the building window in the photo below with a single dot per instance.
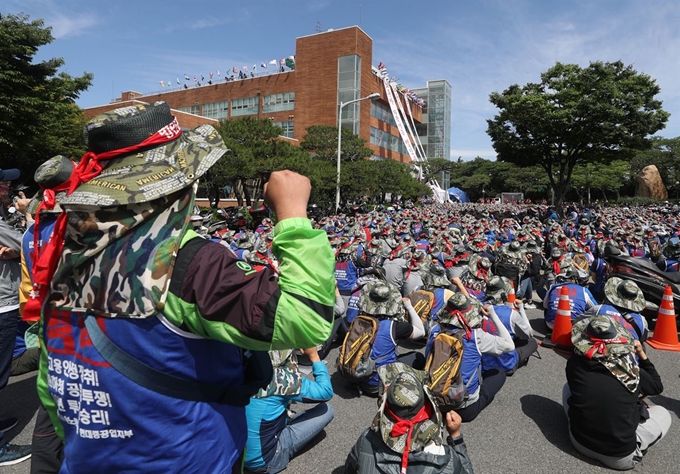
387 140
278 102
349 88
216 110
288 128
191 109
382 112
247 106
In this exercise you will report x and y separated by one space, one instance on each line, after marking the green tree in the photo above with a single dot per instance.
252 142
322 140
38 115
576 115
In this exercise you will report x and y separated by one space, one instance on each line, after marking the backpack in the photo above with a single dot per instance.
422 302
580 261
354 362
444 369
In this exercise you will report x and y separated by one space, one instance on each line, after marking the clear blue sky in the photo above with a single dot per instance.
478 46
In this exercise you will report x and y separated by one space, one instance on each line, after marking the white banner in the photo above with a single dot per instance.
398 121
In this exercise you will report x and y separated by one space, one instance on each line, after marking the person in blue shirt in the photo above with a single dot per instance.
580 298
515 320
623 301
273 437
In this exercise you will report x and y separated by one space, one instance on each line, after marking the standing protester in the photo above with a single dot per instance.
180 309
10 277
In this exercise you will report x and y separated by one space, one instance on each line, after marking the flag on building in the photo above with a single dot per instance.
263 65
234 69
186 78
245 68
290 63
178 81
161 83
254 67
195 79
211 75
202 77
381 65
169 83
273 62
218 73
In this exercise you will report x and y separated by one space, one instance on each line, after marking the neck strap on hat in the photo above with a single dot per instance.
45 261
406 427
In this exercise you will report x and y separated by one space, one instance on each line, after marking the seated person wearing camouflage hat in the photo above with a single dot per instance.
384 302
623 301
273 438
435 281
515 320
580 298
669 260
407 433
609 418
461 313
396 263
413 277
472 282
129 280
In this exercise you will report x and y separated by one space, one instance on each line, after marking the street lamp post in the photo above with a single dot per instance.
375 95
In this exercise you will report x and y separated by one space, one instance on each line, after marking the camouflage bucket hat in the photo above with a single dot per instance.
497 289
470 309
151 172
245 241
404 392
624 294
601 337
436 277
380 299
479 263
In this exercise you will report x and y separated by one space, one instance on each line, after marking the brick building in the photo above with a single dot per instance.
330 67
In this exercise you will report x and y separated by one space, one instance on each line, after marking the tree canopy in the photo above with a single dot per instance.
322 140
38 115
576 115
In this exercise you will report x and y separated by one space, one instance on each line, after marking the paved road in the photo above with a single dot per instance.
524 430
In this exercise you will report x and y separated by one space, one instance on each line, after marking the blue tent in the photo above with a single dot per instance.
457 195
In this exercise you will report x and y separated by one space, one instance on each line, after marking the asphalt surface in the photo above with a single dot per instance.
523 431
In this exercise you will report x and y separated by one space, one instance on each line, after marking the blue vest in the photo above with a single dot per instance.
508 360
598 267
472 359
352 307
440 299
47 222
346 275
116 421
577 298
423 245
384 349
608 310
239 253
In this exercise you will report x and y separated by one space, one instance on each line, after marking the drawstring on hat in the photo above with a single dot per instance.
402 427
45 261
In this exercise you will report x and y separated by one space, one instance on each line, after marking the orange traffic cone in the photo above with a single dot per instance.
665 335
511 295
561 335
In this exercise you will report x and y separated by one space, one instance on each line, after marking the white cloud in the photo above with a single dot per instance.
63 26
